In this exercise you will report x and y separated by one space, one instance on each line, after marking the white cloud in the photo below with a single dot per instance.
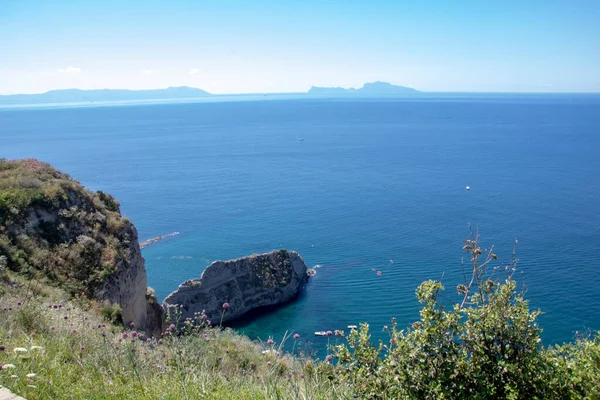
194 71
146 72
70 70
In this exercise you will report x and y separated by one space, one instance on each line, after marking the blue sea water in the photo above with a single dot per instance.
373 180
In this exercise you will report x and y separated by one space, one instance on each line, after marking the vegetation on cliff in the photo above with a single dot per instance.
52 227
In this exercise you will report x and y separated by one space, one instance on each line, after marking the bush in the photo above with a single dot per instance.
484 346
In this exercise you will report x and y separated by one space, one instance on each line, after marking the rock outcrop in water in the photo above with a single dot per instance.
245 284
52 228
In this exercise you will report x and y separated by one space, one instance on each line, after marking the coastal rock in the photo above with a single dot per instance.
126 286
53 228
245 284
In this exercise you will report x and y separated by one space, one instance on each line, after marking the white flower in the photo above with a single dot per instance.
6 366
32 375
36 348
21 352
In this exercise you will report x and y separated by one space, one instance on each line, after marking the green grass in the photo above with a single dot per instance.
80 360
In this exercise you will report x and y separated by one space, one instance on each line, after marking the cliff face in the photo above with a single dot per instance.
53 228
245 283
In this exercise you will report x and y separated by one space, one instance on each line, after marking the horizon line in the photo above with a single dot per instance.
417 91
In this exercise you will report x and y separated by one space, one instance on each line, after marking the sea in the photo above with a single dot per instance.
371 192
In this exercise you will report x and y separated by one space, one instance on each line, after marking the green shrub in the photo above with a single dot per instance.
484 346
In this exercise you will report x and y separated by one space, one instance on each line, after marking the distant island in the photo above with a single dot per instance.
79 95
373 89
368 89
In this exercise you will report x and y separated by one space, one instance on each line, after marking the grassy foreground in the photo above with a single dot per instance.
53 348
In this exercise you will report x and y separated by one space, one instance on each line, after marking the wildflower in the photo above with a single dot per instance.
219 358
132 324
251 364
8 366
160 341
104 334
172 327
329 333
31 376
19 303
148 340
225 306
296 336
134 334
2 347
329 358
81 347
19 350
301 376
36 348
270 342
124 335
270 364
66 317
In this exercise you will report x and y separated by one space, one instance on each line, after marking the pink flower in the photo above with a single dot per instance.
296 336
172 327
329 358
132 324
329 333
270 342
225 306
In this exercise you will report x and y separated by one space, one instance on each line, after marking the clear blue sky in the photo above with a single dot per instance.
282 46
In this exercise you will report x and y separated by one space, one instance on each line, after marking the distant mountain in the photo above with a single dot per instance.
368 89
78 95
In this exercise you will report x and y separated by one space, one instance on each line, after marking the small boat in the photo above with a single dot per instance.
468 188
301 139
352 327
321 333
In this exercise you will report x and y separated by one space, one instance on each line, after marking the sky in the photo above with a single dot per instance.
288 46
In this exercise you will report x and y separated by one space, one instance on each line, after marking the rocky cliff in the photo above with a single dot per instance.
245 284
53 228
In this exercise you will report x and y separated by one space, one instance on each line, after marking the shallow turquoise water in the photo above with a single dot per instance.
373 180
